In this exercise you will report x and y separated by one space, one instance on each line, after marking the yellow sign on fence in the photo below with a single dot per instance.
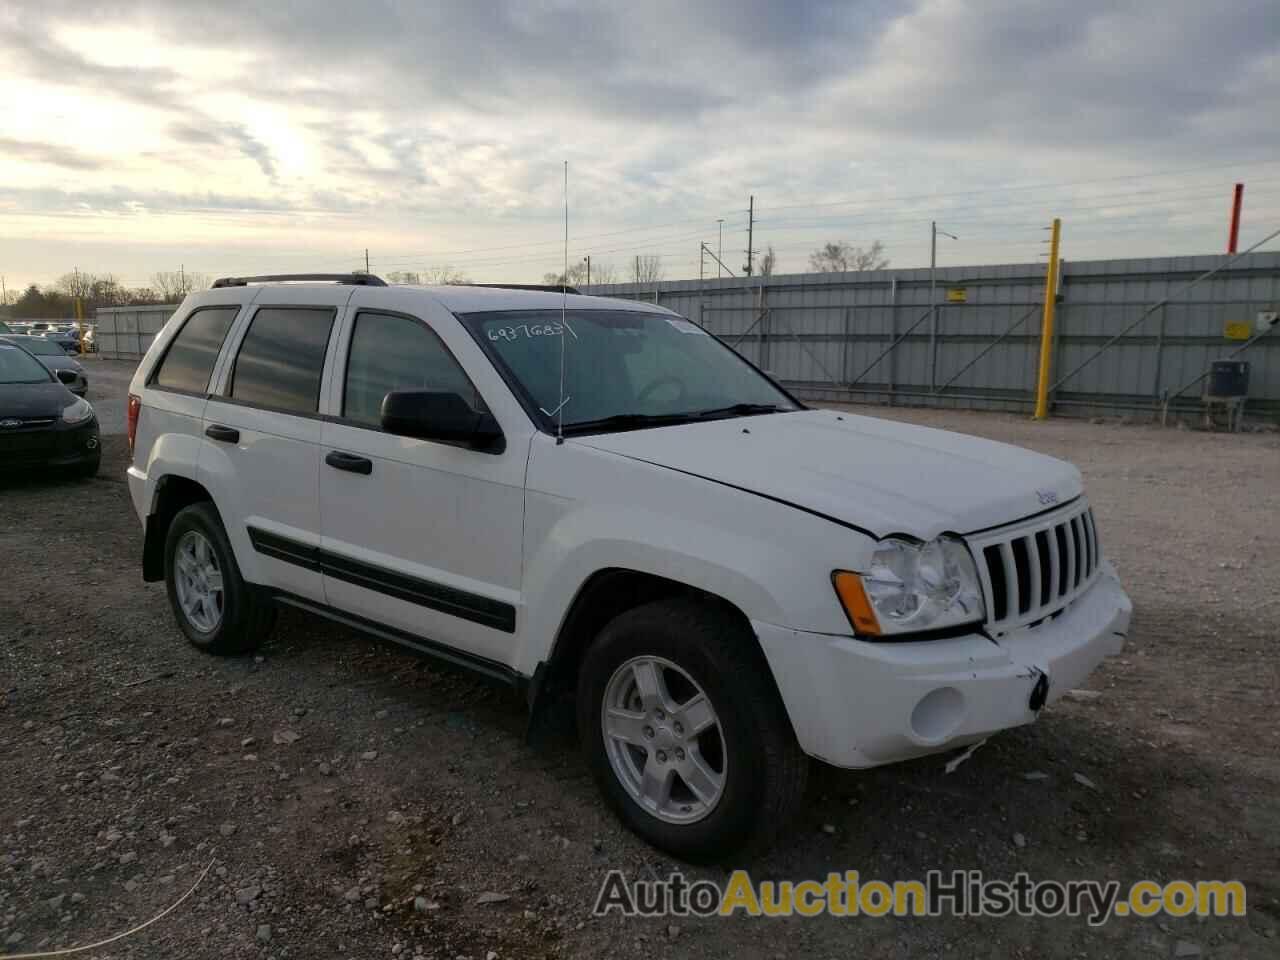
1237 331
957 295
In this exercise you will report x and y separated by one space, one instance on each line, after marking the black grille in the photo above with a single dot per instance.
1035 573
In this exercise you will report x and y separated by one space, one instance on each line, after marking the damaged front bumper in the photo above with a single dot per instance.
855 703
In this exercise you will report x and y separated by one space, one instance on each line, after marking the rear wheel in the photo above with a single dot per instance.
685 733
214 607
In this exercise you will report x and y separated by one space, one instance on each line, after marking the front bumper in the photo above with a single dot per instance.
59 445
855 703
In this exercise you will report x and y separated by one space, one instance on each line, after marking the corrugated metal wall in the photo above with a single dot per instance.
866 336
124 333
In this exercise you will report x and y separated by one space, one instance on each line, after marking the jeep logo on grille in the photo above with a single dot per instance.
1046 497
10 424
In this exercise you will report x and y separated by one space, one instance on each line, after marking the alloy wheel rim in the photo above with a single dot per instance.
664 740
198 581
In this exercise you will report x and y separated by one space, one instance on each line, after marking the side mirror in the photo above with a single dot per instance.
441 416
66 376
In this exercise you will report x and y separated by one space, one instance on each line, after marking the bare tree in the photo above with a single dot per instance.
403 276
603 272
443 275
842 257
647 268
107 292
768 261
173 285
577 275
76 284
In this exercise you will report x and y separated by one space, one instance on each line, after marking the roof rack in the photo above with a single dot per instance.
355 279
548 287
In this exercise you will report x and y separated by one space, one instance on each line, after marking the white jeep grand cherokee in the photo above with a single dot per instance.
574 493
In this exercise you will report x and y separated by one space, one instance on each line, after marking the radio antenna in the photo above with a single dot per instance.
564 306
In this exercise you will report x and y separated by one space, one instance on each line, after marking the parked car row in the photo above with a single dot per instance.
68 335
42 423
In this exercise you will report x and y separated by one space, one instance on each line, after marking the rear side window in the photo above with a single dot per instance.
395 353
281 359
190 358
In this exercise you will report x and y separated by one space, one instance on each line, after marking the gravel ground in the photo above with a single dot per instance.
356 801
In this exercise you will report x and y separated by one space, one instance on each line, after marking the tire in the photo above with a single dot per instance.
697 647
231 621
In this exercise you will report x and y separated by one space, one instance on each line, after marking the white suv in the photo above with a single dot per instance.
570 493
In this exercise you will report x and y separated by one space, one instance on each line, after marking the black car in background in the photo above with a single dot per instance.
42 423
55 358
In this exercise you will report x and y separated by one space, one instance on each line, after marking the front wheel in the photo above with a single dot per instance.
685 733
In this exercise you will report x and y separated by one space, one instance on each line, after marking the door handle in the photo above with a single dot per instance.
216 431
349 462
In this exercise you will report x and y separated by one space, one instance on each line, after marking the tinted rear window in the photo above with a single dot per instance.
282 358
191 356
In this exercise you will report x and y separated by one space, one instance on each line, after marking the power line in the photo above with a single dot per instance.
1037 186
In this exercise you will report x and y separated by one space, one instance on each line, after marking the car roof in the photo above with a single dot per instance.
461 298
457 298
22 339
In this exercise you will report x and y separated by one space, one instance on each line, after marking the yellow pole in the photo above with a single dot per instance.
1046 330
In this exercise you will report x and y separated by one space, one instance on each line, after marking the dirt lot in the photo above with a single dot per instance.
333 779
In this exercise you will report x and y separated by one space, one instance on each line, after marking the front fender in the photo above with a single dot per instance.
771 561
595 539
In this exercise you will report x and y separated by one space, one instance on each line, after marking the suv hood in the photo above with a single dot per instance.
883 476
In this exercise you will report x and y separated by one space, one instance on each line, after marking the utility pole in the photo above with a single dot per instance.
751 222
1237 201
4 294
1046 327
637 268
706 251
366 259
720 247
702 289
182 279
933 299
588 259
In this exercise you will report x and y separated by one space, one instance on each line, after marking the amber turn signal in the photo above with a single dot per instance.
853 597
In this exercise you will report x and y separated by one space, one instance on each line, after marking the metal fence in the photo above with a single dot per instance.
875 337
124 333
1129 335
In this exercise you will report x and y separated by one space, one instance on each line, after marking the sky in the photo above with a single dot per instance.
247 137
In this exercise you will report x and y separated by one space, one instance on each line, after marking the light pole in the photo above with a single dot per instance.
933 299
587 258
720 247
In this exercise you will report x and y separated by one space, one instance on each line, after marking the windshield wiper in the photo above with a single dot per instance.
738 410
629 421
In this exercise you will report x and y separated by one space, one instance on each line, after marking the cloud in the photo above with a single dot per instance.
51 153
413 116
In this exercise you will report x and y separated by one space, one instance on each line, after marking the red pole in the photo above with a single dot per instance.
1236 201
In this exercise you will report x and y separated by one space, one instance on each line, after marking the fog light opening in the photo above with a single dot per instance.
92 443
938 714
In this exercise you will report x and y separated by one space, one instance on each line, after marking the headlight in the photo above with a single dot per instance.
77 412
911 587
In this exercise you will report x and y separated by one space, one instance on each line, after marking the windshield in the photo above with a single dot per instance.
40 347
624 365
19 367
